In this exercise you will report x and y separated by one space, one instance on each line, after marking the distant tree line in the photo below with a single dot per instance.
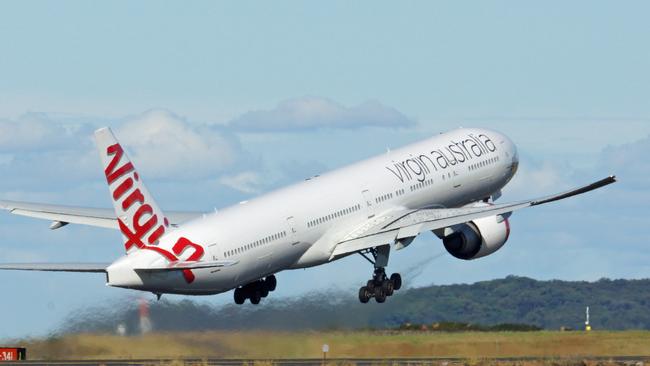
614 304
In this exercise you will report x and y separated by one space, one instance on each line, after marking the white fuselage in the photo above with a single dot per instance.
298 226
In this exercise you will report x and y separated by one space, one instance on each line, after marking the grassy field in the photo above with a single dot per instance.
269 345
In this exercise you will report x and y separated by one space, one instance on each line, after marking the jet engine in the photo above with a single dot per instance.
477 238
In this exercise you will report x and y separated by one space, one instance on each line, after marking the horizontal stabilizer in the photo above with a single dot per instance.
56 267
100 217
183 265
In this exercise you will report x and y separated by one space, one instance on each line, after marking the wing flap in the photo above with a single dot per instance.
356 245
56 267
415 222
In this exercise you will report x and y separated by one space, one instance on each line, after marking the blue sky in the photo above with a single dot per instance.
218 102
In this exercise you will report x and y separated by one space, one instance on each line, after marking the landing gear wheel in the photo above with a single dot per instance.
388 287
264 292
370 285
239 296
380 294
364 295
271 282
397 281
380 286
256 296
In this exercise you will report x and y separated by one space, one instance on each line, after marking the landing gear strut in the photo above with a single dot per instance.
380 286
255 291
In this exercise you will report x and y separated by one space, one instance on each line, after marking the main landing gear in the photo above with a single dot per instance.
380 286
255 291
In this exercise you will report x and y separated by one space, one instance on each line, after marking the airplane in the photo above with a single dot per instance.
446 184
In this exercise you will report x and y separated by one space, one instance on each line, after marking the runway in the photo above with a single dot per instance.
615 360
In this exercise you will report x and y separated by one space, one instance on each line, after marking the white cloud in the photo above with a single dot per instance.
309 113
539 178
630 162
37 132
247 182
51 155
165 145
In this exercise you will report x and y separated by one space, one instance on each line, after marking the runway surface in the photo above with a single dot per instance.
615 360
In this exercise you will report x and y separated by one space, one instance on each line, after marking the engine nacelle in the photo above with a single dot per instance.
477 238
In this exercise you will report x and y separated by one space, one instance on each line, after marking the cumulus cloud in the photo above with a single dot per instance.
37 132
39 152
535 178
247 182
165 145
310 113
630 162
42 152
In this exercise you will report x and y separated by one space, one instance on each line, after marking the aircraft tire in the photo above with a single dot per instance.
271 283
239 296
388 287
371 285
264 291
364 295
256 296
380 294
396 278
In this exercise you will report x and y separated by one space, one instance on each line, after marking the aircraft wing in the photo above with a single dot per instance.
62 215
409 223
56 267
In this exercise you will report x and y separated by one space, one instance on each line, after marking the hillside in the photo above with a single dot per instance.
614 304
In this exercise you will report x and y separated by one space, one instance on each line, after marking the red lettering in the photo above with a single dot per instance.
139 230
111 173
169 256
122 188
181 245
135 196
132 238
153 220
188 275
156 234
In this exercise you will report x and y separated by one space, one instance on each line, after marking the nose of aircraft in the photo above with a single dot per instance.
512 153
508 151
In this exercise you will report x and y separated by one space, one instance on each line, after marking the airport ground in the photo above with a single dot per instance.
529 348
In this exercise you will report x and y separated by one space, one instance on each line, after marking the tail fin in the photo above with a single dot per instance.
140 219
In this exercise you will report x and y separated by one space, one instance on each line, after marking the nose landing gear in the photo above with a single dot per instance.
380 286
255 291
